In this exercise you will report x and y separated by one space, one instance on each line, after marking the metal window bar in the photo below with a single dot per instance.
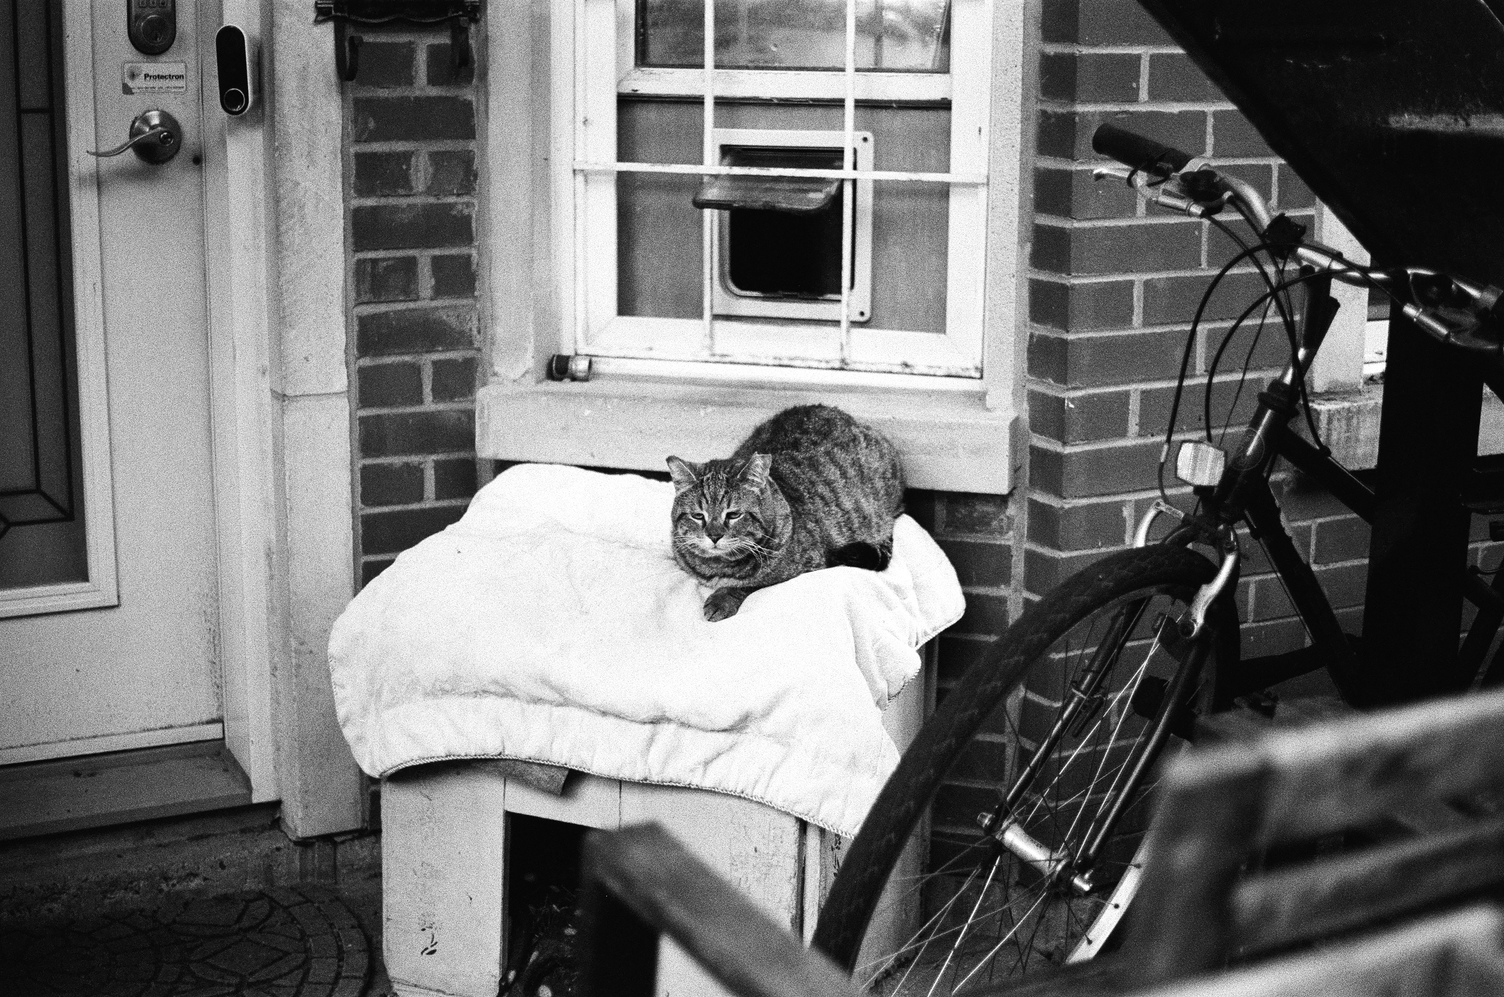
710 220
709 167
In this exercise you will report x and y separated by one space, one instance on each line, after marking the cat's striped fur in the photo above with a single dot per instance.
809 488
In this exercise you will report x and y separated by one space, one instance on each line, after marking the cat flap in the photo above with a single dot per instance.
795 195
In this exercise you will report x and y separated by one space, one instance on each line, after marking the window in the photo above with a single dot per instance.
658 111
821 204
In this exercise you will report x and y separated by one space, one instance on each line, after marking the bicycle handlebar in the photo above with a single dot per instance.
1138 152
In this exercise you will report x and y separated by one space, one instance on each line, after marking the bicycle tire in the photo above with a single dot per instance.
1020 654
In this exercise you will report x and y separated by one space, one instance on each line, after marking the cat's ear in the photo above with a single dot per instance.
757 469
683 473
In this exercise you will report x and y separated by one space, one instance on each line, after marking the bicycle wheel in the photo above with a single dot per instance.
974 910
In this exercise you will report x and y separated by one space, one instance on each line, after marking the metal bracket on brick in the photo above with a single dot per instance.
347 14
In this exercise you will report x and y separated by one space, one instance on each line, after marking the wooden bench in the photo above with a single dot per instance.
641 884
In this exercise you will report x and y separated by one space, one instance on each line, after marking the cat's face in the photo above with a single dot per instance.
722 508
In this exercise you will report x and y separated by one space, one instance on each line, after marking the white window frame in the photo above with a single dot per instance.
952 412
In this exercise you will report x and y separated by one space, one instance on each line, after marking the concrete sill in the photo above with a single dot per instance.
1349 424
72 793
950 440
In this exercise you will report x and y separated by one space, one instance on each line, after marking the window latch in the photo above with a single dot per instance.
350 14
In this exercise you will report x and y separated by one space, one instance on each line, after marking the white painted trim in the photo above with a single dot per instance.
748 341
111 742
63 597
791 84
1339 363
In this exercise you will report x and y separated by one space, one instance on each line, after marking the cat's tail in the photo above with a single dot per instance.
861 554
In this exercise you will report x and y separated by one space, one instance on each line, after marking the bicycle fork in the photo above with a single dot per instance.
1189 632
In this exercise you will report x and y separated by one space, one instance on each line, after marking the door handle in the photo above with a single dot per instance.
155 137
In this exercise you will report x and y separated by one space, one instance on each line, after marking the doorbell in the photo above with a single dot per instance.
235 59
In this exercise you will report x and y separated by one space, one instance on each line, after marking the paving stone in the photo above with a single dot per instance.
288 942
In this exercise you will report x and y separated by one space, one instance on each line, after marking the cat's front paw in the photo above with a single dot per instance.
723 604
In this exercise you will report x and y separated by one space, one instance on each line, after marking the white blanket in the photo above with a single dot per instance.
551 624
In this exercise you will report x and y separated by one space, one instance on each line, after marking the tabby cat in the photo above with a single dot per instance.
810 488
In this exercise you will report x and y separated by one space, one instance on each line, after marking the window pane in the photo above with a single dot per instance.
892 35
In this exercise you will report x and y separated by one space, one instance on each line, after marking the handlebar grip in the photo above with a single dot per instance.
1138 152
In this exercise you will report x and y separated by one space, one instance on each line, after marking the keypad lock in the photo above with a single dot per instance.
152 24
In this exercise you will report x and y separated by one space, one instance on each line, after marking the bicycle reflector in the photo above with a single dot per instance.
1199 463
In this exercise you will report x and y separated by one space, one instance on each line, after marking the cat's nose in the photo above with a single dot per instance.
714 535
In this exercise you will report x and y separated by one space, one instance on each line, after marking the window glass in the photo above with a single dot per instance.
892 35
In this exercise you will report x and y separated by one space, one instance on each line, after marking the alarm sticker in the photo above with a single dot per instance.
154 77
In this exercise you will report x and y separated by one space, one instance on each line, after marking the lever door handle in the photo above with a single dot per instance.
155 136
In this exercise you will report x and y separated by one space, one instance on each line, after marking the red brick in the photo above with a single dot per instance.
1174 300
983 759
382 174
441 72
391 484
1076 194
453 275
1104 470
1234 138
1341 540
1271 602
1259 176
410 119
1081 305
1301 499
985 614
391 532
1089 76
450 172
1174 77
411 226
453 379
387 385
1102 361
1256 562
1272 637
1081 418
979 563
1074 528
1293 192
1137 247
454 478
976 514
1044 570
415 330
386 64
386 278
1344 585
1067 134
959 652
371 567
1154 409
1100 22
401 434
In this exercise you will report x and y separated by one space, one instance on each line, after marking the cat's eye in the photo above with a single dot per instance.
733 516
698 517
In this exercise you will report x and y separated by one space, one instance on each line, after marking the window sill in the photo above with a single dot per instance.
950 440
1349 424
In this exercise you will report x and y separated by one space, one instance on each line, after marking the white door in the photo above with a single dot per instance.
109 606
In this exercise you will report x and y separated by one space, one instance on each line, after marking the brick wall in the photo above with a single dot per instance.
410 187
1112 292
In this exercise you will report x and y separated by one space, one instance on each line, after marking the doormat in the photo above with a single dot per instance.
297 941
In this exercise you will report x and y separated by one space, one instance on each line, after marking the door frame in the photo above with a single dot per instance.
279 399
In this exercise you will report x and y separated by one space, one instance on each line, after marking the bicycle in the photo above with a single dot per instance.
1112 667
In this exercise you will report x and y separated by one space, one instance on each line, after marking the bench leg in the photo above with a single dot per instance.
443 864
